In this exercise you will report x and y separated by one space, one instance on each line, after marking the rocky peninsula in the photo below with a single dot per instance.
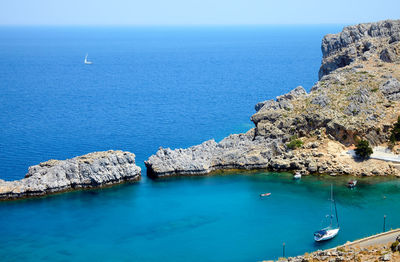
88 171
357 96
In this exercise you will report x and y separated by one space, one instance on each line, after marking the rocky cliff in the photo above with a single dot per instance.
360 42
88 171
239 151
357 96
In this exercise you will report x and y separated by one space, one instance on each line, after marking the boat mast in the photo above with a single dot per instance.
331 203
337 218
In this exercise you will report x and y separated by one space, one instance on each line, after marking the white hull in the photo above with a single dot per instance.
86 61
297 176
330 233
352 184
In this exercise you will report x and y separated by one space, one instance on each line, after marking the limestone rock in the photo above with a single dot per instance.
389 55
340 50
386 257
239 151
391 89
295 93
87 171
357 97
269 104
281 102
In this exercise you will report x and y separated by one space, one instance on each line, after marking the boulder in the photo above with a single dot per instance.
391 89
388 55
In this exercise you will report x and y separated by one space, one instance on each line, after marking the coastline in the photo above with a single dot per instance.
357 97
372 248
93 170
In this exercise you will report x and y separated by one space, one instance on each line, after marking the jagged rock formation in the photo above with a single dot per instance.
358 96
359 42
241 151
88 171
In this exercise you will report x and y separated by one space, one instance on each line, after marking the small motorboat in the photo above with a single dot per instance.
265 194
297 176
352 183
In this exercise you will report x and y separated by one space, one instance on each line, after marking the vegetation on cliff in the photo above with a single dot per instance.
363 149
294 143
395 135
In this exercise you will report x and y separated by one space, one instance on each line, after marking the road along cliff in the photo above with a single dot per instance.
357 96
88 171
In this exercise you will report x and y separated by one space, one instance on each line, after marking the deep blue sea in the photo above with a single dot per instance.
172 87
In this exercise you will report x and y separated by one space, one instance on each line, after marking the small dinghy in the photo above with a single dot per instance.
297 176
352 183
265 194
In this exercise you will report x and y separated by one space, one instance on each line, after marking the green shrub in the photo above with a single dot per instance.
394 245
295 143
363 150
395 136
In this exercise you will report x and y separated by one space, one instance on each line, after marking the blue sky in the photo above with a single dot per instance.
194 12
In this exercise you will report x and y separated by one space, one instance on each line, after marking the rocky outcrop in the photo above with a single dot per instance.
391 89
283 101
239 151
87 171
360 42
358 96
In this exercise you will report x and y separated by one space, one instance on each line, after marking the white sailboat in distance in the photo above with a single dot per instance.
86 61
330 231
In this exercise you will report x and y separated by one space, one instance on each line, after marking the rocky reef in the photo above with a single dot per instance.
357 96
88 171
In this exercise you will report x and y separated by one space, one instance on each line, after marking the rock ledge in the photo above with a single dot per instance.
88 171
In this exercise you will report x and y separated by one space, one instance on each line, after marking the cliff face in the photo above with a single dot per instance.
357 96
241 151
359 42
87 171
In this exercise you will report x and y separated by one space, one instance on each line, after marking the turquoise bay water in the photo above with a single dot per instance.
171 87
216 218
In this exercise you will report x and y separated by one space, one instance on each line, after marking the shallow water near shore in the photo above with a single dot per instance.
212 218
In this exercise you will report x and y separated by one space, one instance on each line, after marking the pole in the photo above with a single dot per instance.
283 251
384 223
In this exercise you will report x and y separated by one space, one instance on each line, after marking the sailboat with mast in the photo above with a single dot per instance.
87 62
330 231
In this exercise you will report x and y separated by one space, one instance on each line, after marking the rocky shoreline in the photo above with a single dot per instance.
357 96
380 247
93 170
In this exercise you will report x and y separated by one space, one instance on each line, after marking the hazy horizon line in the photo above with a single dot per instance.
170 25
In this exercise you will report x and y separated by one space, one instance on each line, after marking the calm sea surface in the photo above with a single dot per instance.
170 87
